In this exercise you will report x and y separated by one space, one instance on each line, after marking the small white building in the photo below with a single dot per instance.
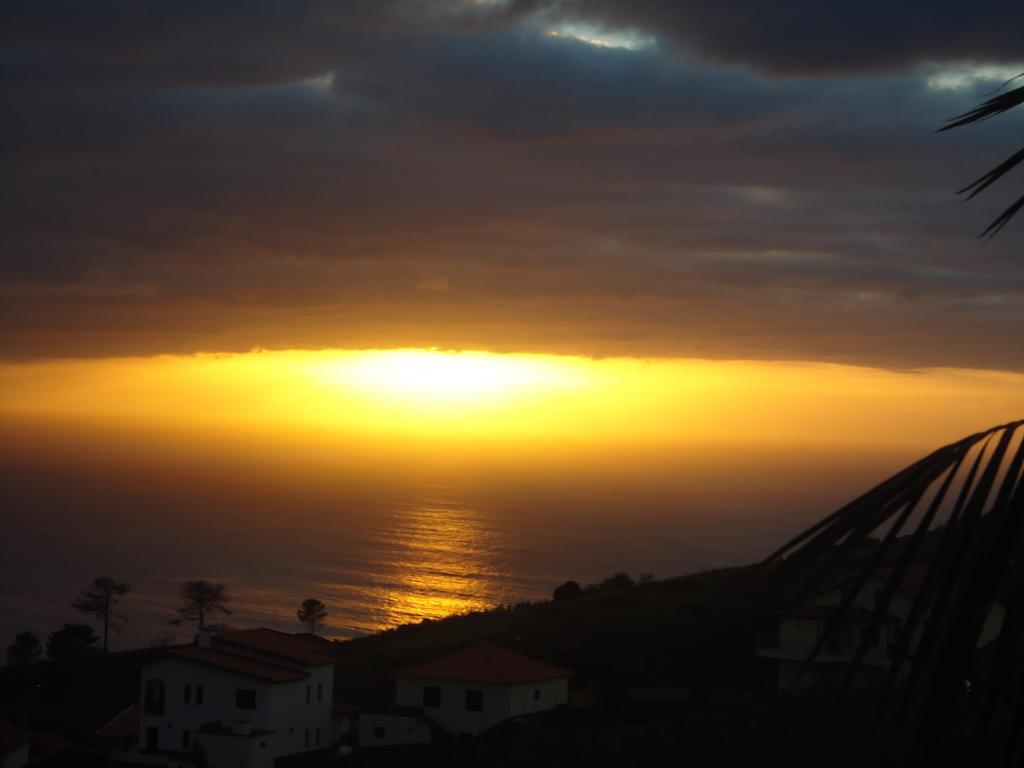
242 699
473 689
801 628
14 746
392 728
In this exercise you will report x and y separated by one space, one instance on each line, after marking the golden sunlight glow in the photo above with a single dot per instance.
441 566
432 379
432 397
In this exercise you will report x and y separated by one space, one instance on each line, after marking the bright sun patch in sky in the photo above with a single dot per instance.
480 397
433 379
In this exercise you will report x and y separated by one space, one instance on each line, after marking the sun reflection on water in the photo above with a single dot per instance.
440 558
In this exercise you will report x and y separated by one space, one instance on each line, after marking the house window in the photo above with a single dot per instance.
474 700
154 703
318 737
186 739
319 691
188 693
306 740
431 696
245 698
152 738
536 694
199 695
307 694
380 732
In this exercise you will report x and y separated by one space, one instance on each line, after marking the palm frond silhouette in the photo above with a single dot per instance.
957 515
995 105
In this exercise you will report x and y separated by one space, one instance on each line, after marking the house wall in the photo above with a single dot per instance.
228 751
281 708
219 688
500 702
388 730
16 758
452 714
799 633
798 636
291 716
899 605
529 698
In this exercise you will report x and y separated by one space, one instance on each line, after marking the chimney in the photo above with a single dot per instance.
204 638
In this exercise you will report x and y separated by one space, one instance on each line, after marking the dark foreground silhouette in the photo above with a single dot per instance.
668 671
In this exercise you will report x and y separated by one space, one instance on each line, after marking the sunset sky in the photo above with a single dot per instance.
453 272
726 180
701 221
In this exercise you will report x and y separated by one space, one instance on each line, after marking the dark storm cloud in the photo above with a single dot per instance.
238 42
814 37
191 42
227 175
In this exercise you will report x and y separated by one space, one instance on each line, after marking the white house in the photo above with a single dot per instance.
242 698
800 629
391 728
13 746
472 689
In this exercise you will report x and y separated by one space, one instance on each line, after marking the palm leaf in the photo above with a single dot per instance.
988 108
1003 218
977 563
992 176
996 105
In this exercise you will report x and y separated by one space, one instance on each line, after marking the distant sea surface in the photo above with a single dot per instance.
382 540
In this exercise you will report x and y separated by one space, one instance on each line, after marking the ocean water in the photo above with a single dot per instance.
383 540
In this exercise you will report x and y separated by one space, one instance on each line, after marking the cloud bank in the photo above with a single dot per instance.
748 180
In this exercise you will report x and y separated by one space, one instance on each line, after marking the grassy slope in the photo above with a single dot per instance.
652 634
672 634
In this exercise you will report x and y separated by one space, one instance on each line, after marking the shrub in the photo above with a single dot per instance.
567 591
620 580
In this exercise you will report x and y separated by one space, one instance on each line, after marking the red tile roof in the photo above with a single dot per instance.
484 663
240 664
294 648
